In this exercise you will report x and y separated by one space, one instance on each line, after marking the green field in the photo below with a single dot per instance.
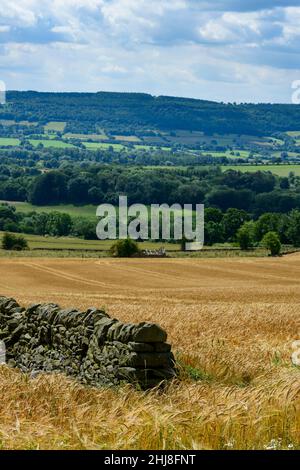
280 170
8 141
37 242
127 138
55 126
94 137
42 137
88 211
242 154
7 122
46 246
100 145
50 143
294 133
149 147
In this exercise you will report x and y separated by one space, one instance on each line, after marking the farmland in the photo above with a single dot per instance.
280 170
48 244
55 126
231 324
9 142
95 137
88 210
101 145
50 143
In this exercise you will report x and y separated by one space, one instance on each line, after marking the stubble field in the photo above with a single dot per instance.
231 323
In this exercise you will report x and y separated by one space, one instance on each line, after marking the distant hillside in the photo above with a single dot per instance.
133 112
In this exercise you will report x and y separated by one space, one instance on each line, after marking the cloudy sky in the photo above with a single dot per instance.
224 50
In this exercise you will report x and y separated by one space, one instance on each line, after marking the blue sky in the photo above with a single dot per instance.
223 50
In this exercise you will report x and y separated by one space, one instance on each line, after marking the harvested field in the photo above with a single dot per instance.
231 324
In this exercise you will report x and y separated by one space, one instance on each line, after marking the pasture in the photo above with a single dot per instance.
55 126
50 143
49 244
235 154
280 170
88 211
95 137
104 146
9 142
231 324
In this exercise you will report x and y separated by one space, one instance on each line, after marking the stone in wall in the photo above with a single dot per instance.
89 345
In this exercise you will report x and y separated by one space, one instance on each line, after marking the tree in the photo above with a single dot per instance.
213 233
58 224
272 242
49 188
284 183
78 190
124 248
293 228
213 214
83 227
268 222
232 221
276 201
226 198
245 235
13 242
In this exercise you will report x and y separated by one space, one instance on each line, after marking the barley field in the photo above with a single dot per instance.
231 323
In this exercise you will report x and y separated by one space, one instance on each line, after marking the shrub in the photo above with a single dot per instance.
245 235
124 248
13 242
272 242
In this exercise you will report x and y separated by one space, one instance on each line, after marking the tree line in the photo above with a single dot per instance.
91 183
133 112
232 226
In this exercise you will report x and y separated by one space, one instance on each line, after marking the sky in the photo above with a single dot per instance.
221 50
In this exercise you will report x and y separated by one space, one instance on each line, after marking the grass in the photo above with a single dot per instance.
50 143
55 126
149 147
242 154
280 170
231 324
100 145
119 147
7 122
88 211
9 142
127 138
96 137
38 242
294 133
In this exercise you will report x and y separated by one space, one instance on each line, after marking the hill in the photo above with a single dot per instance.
137 112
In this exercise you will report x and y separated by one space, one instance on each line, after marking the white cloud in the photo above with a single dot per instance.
4 28
212 49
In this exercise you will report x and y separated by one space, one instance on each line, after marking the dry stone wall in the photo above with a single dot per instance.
89 345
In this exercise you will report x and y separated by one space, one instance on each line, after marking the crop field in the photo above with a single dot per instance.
96 137
7 122
50 143
88 211
38 242
9 142
280 170
127 138
231 324
55 126
236 154
294 134
104 146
